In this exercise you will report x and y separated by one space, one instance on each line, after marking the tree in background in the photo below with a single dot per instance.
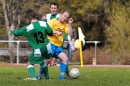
118 34
13 13
102 20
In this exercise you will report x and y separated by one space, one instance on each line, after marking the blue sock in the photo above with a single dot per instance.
41 71
62 70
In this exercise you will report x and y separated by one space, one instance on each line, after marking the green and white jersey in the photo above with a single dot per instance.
49 16
36 34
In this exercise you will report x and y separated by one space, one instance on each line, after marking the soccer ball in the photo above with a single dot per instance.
74 73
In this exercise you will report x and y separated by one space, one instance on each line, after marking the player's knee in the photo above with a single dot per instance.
66 59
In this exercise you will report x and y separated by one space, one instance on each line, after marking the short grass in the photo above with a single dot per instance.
14 75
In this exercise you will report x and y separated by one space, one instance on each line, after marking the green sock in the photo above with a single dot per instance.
31 71
67 70
45 72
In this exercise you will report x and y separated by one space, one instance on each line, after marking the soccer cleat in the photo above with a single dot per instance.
67 74
39 77
26 79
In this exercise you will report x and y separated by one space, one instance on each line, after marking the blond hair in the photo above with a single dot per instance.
65 11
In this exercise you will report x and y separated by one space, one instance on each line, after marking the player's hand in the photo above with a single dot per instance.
12 27
59 33
73 40
43 18
70 21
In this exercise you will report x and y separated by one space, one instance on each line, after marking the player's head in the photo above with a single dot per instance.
64 15
31 14
54 7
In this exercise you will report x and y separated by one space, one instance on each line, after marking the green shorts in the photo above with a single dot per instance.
44 54
38 60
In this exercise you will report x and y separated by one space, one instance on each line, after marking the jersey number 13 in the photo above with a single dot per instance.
39 37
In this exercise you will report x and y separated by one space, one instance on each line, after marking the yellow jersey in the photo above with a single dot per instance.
57 26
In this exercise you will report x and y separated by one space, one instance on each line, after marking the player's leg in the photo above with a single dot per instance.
64 61
31 71
63 65
67 71
44 68
58 62
41 73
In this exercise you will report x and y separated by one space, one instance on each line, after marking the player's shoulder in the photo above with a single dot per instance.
58 14
29 27
42 23
54 20
48 14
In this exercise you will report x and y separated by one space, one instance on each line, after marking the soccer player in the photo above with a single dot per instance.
53 14
59 27
36 34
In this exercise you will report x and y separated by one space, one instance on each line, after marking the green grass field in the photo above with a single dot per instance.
14 75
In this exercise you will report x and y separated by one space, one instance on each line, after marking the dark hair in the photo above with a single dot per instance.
31 14
54 3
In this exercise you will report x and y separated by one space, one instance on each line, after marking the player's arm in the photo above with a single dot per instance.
44 18
19 32
57 32
49 30
51 23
